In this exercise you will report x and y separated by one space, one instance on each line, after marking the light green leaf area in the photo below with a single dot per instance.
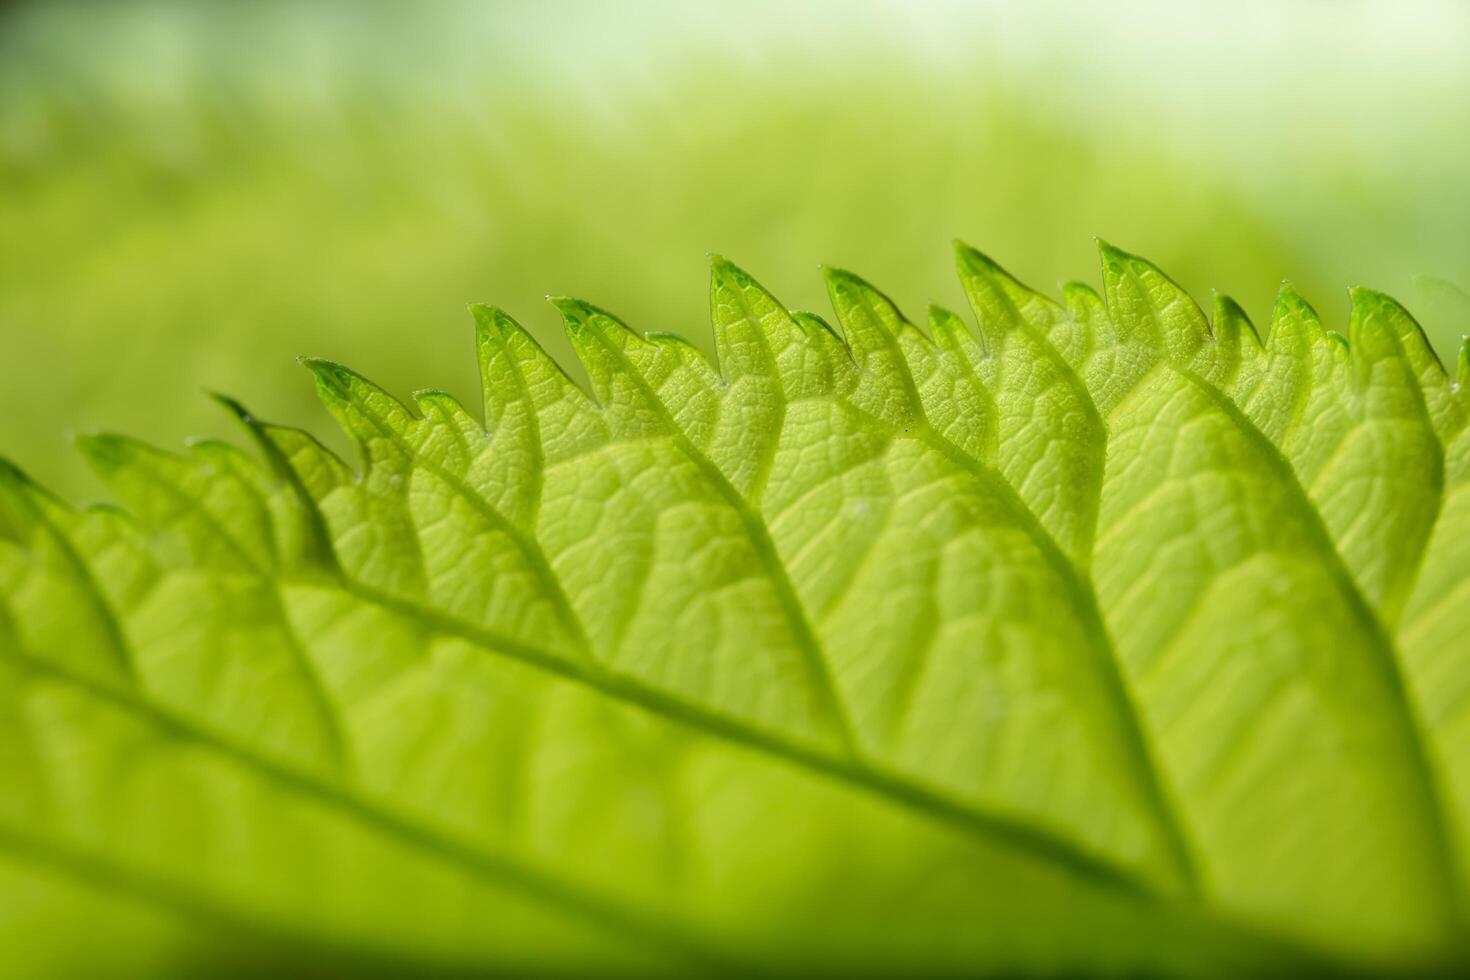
1099 638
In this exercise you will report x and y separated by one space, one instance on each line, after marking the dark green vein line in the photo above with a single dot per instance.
1386 656
760 539
316 687
862 776
1084 600
853 771
529 550
541 885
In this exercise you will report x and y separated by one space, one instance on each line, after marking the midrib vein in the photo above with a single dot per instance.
851 770
846 768
1169 823
496 868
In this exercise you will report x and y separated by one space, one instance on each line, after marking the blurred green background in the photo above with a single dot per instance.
192 194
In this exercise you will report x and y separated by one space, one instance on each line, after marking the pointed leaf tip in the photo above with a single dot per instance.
106 451
813 325
1111 252
1292 314
1226 306
1403 325
1115 261
329 374
970 259
574 311
719 267
844 284
576 316
1290 299
232 405
851 287
1365 302
1079 292
566 305
945 324
492 322
842 279
724 272
1231 323
485 312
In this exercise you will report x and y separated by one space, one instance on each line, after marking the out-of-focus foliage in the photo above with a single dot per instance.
192 194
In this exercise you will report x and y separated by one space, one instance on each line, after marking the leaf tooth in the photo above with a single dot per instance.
581 317
665 346
218 456
237 409
815 327
492 320
1378 331
1232 328
969 259
517 375
26 506
1295 326
1462 372
359 406
728 278
752 328
726 274
873 327
601 341
1140 293
578 319
1406 330
292 452
448 428
952 333
954 336
850 294
985 283
1086 307
1235 344
833 364
496 329
682 348
309 470
109 452
1083 302
442 407
1001 302
630 375
203 499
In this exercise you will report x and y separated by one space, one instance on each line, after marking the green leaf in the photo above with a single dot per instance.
1100 639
